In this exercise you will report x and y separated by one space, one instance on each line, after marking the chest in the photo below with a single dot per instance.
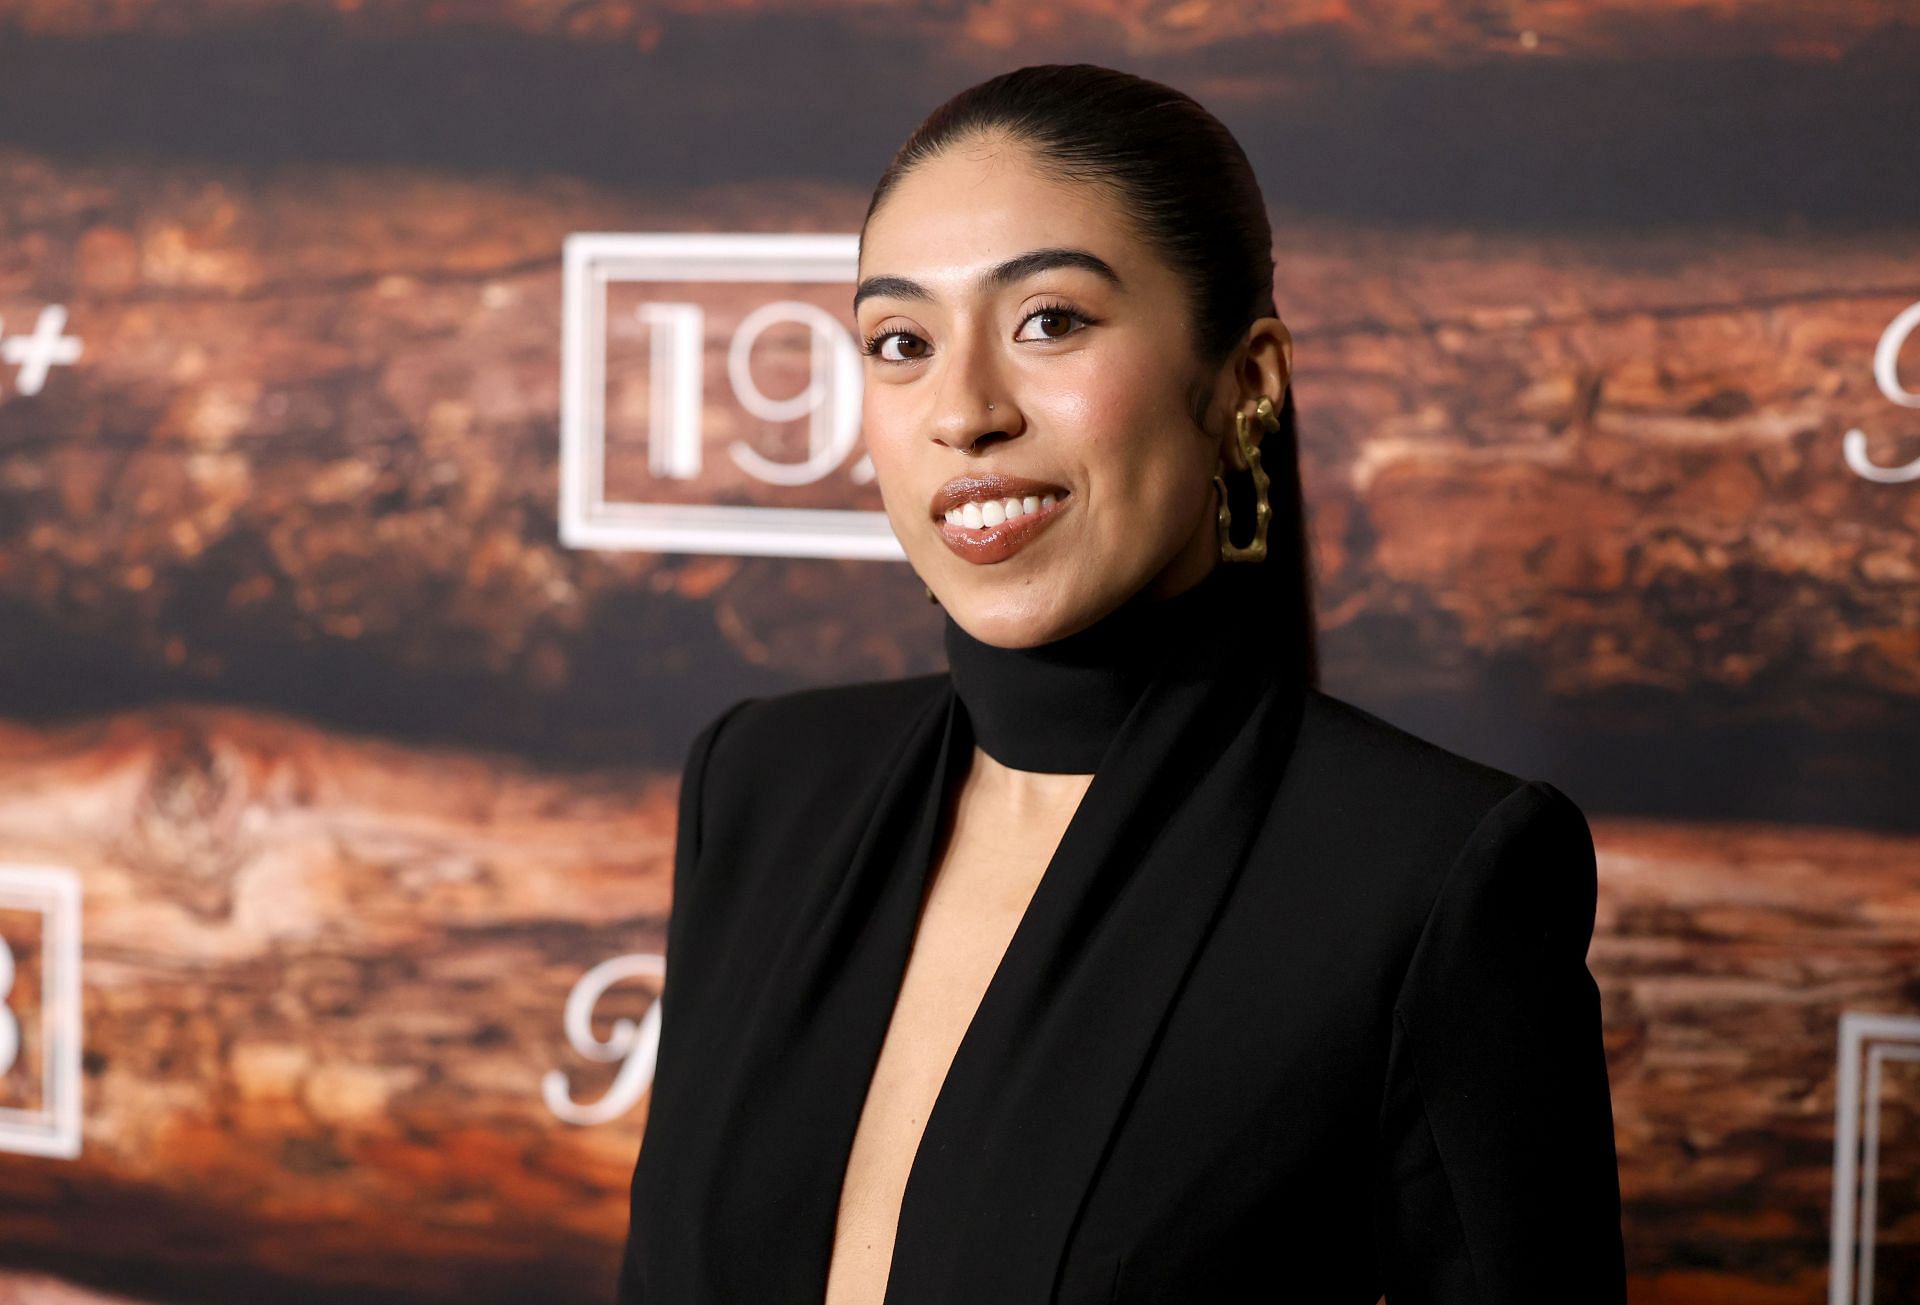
986 868
1152 1050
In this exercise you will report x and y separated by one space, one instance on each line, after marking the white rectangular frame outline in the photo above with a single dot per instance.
592 260
54 1131
1881 1038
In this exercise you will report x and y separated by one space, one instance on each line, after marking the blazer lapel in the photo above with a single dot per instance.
758 1150
761 1154
1041 1079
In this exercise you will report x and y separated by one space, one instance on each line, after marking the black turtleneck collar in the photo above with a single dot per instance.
1055 706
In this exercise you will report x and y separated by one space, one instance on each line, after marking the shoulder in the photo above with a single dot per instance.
824 724
864 702
1370 774
1436 838
1390 771
765 780
774 751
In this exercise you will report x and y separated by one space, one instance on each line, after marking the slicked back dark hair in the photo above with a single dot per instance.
1185 185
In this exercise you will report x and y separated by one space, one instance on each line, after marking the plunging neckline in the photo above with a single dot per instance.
957 743
774 1058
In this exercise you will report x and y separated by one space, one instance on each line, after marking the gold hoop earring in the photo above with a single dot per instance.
1256 550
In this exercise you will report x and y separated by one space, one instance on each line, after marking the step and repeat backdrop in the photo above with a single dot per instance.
417 419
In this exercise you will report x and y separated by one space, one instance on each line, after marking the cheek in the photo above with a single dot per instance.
899 473
1101 392
882 431
1133 436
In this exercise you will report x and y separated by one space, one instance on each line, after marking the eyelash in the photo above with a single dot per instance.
871 345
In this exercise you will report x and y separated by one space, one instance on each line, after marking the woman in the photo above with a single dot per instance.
1118 963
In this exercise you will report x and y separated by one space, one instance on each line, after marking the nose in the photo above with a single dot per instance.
970 408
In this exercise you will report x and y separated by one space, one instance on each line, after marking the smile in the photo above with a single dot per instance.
993 530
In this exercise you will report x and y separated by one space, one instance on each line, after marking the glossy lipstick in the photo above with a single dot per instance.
984 545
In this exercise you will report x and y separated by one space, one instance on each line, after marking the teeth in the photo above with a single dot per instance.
991 512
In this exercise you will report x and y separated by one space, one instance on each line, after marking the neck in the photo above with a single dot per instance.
1054 707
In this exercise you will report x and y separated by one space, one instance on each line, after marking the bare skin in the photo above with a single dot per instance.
1060 374
1002 830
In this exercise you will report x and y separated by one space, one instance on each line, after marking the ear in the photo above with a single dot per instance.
1264 368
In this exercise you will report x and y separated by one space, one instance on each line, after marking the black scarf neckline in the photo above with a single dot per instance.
1055 707
760 1092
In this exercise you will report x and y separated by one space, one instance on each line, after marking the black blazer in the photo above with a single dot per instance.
1367 1062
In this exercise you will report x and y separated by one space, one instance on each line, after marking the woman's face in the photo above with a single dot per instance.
1018 329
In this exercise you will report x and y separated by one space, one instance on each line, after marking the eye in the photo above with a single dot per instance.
1066 317
876 345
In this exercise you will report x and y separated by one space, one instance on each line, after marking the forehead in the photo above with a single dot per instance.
981 202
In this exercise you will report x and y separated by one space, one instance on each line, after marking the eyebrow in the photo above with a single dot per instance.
996 277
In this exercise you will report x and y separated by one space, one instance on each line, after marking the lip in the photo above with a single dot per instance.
988 485
990 544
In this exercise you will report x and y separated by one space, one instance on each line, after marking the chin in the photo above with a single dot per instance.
1018 618
1005 634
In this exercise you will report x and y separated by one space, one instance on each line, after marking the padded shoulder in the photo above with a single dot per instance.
1390 809
1396 773
822 722
824 704
782 751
